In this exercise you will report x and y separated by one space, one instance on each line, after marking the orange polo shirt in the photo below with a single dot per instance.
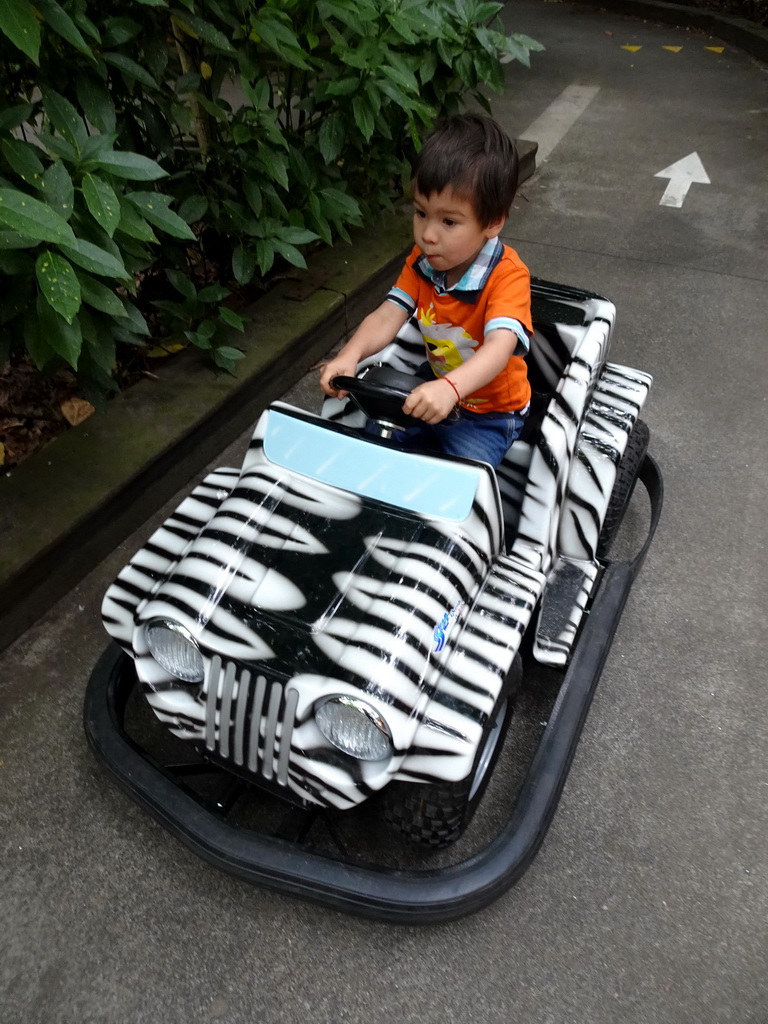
495 292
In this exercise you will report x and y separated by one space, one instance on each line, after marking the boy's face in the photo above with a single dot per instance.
446 229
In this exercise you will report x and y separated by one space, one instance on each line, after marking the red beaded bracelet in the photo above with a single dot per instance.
449 381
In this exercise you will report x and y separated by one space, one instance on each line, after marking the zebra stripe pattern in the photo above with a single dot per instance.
294 589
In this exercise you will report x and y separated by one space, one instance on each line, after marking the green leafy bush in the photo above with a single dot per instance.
158 155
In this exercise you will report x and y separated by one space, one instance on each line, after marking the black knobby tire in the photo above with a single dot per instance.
435 814
624 485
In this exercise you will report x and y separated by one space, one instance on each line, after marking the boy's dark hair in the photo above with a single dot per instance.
475 157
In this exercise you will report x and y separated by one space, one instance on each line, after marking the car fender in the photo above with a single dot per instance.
446 740
614 408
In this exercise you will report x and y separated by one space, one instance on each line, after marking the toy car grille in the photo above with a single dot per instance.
249 719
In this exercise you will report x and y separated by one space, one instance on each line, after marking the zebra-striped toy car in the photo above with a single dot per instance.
341 620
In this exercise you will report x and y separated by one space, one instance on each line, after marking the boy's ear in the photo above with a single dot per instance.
495 228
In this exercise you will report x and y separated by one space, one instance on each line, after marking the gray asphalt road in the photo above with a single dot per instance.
647 902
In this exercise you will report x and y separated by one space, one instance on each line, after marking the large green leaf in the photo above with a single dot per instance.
136 256
349 15
23 158
231 318
370 54
158 129
30 217
154 208
484 11
137 321
402 76
193 208
338 204
225 357
206 31
243 264
275 32
94 259
119 30
182 284
14 240
130 165
252 193
58 284
62 24
65 118
14 116
97 146
130 69
65 339
96 102
35 340
259 93
100 296
58 188
58 146
331 137
289 252
213 293
265 254
99 345
18 22
398 96
296 235
220 111
134 225
102 202
342 87
364 116
276 203
85 25
402 28
274 164
322 226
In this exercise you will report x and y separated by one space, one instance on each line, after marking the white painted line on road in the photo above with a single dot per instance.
559 117
681 176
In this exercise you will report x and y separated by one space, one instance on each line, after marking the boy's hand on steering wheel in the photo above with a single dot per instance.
431 401
337 367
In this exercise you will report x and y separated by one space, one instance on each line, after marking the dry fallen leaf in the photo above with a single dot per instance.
75 410
2 454
161 351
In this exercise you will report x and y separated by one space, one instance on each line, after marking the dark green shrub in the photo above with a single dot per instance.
269 126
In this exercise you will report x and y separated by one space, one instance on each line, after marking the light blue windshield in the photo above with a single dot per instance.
429 486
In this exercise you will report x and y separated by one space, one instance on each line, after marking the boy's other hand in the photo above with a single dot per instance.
336 368
430 402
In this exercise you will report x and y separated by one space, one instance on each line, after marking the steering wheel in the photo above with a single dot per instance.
380 392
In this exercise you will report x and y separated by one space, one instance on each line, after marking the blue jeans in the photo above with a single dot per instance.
486 436
475 435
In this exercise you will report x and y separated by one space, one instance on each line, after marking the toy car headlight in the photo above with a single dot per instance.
172 646
354 727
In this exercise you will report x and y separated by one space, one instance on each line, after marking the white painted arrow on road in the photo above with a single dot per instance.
681 176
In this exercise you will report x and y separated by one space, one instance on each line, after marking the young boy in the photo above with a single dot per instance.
470 293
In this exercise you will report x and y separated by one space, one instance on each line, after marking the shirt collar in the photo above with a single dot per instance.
473 279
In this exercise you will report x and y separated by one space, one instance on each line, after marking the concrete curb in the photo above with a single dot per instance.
738 31
66 508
